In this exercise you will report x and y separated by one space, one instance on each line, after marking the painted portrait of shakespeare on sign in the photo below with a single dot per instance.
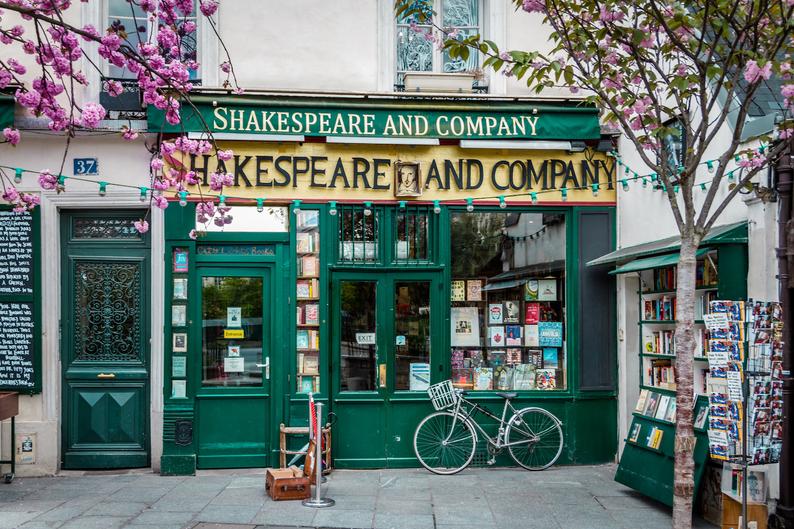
407 179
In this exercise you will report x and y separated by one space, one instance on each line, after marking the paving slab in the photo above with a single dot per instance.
486 498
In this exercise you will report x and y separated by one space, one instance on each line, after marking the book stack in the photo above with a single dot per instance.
661 374
662 309
661 343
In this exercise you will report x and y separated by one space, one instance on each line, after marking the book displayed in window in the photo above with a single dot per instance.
307 293
508 326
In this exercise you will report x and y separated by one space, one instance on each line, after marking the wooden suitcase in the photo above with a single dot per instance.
287 484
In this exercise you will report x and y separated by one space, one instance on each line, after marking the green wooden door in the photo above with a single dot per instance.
104 342
233 374
386 346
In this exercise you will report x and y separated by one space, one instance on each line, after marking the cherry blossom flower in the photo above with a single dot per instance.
753 73
141 225
11 135
534 6
47 180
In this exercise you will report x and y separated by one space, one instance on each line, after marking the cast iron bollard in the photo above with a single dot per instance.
318 501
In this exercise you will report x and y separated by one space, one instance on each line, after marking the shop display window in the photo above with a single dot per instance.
508 322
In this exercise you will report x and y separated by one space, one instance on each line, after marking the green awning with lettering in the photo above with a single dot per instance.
6 111
657 261
383 117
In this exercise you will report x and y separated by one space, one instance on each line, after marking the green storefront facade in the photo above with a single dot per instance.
362 287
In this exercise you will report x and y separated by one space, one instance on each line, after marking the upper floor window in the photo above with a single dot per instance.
134 22
415 53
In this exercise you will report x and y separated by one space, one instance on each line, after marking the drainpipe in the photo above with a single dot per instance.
784 512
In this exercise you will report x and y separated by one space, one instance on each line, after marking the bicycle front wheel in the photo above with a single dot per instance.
534 438
444 444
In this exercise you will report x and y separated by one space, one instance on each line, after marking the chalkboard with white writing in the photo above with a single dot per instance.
20 308
16 253
17 362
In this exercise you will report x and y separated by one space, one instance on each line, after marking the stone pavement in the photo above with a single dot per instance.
581 497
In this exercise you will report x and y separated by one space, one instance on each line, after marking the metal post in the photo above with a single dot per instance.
318 501
784 511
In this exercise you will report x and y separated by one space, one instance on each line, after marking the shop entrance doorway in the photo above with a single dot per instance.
233 397
104 341
385 348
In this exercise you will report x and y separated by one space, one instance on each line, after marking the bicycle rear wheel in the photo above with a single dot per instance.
443 444
534 438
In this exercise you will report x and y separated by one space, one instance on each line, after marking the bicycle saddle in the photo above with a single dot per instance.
507 396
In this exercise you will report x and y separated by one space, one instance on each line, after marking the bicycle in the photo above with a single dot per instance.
445 441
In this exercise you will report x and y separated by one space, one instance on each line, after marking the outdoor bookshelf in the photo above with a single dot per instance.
307 295
647 462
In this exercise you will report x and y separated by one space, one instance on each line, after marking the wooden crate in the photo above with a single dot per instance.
287 484
9 405
732 510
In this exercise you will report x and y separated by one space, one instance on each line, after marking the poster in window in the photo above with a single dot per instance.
513 356
180 260
458 291
419 377
512 312
483 378
550 358
180 288
547 290
513 335
178 315
550 334
531 336
546 379
179 389
495 313
179 344
474 290
532 315
465 323
531 290
496 336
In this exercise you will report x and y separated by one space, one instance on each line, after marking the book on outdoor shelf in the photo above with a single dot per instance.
306 242
311 364
640 407
654 439
650 404
635 432
308 266
311 314
661 408
307 288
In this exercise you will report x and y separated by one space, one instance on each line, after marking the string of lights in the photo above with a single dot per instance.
630 176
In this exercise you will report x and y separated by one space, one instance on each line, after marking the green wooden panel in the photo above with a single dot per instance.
732 271
359 435
232 433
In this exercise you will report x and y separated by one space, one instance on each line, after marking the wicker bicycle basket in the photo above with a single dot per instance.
442 395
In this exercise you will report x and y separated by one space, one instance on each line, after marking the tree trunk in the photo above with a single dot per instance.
683 478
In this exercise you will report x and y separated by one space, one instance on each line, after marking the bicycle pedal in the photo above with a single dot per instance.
491 461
